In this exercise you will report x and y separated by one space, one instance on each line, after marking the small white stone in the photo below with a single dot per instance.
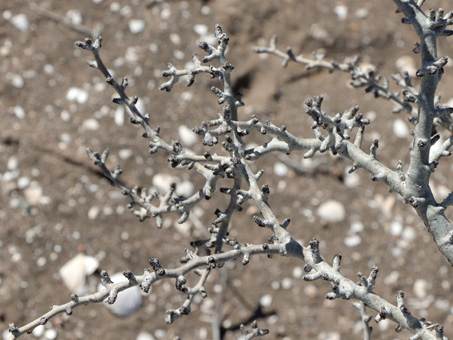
352 241
280 169
341 11
13 163
420 288
361 13
119 116
78 95
91 265
73 274
16 80
287 283
8 176
75 16
23 182
409 234
50 334
165 13
179 54
160 333
128 301
356 227
184 189
396 228
93 213
266 300
38 331
34 193
20 21
351 180
187 96
298 272
136 26
175 38
331 211
125 154
65 116
90 124
163 182
329 336
187 136
145 336
400 128
41 261
205 10
201 30
115 7
442 304
19 112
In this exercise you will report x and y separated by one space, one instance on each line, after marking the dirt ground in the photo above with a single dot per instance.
55 204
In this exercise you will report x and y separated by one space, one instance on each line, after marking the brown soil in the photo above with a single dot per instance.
49 145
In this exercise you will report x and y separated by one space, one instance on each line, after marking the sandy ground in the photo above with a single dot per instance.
54 204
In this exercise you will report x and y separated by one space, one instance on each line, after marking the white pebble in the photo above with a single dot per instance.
400 128
201 30
266 300
351 180
19 112
78 95
287 283
128 301
361 13
205 10
165 13
119 116
20 21
396 228
75 16
175 38
160 333
65 116
179 54
41 261
8 176
298 272
125 154
420 288
409 234
163 181
145 336
90 124
34 194
136 26
93 213
341 11
23 182
50 334
184 189
16 80
187 136
187 96
280 169
352 241
12 164
115 7
331 211
38 331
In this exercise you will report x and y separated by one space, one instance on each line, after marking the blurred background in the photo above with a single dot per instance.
56 207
